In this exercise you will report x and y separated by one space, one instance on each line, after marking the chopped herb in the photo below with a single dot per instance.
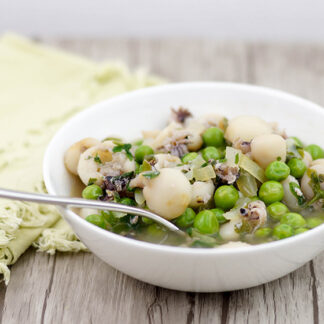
92 181
151 174
130 189
89 157
126 148
97 159
294 189
321 178
146 166
278 158
116 197
222 160
237 158
293 150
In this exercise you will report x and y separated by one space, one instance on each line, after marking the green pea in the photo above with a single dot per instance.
271 191
110 218
98 220
143 151
128 202
301 230
189 157
293 219
263 232
277 171
155 231
121 228
254 198
276 210
313 222
225 197
206 222
297 167
186 219
315 151
282 231
297 141
220 215
138 142
213 136
210 153
147 221
92 192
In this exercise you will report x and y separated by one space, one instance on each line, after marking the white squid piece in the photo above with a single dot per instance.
72 155
202 193
168 194
268 148
108 164
246 128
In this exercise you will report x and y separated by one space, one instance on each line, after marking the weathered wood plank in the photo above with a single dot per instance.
27 293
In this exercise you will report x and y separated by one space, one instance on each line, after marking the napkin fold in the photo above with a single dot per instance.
41 88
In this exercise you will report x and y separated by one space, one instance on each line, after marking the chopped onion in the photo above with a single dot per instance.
232 156
139 197
189 175
118 214
232 214
247 184
204 174
251 167
197 162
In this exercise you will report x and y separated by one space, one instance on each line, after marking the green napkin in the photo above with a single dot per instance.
41 88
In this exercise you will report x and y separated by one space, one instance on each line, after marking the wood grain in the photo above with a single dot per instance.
80 288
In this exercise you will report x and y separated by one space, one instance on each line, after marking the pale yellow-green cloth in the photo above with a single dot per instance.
40 88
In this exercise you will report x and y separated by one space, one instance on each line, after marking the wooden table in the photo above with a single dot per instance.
80 288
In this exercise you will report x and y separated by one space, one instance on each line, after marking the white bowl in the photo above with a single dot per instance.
188 269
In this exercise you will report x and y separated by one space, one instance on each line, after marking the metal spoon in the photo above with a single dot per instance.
85 203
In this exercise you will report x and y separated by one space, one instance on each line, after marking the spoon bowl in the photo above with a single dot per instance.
85 203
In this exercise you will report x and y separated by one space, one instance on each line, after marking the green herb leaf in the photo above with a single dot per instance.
126 148
92 181
116 196
124 175
294 188
145 166
151 174
237 158
97 159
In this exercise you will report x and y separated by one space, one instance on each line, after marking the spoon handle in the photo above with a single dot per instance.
84 203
